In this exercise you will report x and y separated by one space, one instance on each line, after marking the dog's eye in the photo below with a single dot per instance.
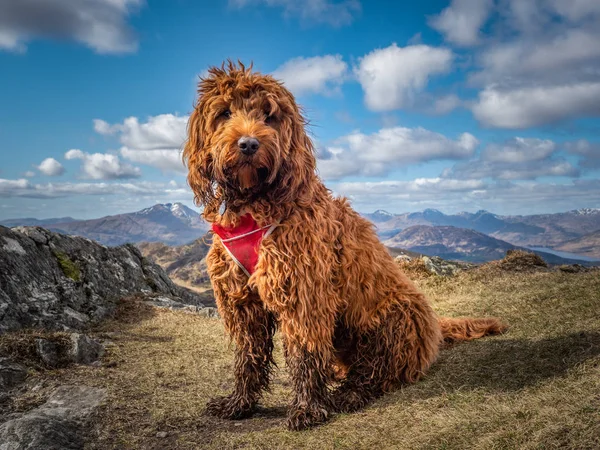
269 119
225 114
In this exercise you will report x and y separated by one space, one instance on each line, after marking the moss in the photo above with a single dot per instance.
69 267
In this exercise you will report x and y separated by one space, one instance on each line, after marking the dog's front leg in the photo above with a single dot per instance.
310 370
252 328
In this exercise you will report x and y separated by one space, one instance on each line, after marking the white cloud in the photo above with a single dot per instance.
454 195
409 188
103 166
392 76
389 149
517 159
519 150
542 65
9 187
99 24
461 22
536 105
104 128
576 9
51 167
159 132
336 13
29 174
167 160
588 151
319 74
561 57
23 188
445 104
156 142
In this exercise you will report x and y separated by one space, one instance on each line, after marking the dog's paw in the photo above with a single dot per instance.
229 407
347 401
303 418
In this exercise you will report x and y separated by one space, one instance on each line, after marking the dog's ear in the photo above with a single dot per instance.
299 167
198 160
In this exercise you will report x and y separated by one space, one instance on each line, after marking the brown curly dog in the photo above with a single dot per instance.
322 277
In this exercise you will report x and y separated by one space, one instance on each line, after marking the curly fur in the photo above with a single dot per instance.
342 305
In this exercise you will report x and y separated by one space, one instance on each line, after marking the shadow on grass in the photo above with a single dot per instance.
131 310
494 365
504 365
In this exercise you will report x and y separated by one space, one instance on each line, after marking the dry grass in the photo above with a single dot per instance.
538 386
21 346
518 261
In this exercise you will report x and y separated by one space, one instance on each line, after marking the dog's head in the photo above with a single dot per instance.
246 140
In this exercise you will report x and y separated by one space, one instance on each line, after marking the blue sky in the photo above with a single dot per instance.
461 105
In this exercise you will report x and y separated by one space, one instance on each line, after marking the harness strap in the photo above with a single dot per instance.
242 242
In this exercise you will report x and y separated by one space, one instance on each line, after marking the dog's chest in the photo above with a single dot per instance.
243 242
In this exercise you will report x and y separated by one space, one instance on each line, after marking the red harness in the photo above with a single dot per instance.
242 242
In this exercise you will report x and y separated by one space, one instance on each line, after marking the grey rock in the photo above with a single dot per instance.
47 352
443 267
437 265
11 373
85 350
167 303
68 283
209 312
59 424
403 258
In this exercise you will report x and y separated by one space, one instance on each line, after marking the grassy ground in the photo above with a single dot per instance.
536 387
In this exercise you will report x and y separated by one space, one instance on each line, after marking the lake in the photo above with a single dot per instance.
564 254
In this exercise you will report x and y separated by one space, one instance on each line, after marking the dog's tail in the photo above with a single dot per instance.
467 329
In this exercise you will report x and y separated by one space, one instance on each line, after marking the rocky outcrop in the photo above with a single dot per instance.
58 424
434 265
61 282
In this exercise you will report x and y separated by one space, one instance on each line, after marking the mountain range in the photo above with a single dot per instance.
462 244
543 230
479 236
170 223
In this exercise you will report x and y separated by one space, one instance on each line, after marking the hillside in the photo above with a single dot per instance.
482 221
588 245
459 244
168 223
534 387
542 230
185 264
31 222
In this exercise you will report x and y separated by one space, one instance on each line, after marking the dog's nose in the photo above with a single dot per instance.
248 145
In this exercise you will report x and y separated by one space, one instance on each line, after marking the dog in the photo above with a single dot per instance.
302 262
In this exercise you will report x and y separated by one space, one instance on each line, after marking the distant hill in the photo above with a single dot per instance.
170 223
31 222
557 228
542 230
587 245
185 264
461 244
482 221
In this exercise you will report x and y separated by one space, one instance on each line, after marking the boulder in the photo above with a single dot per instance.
59 282
47 351
11 374
58 424
85 350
